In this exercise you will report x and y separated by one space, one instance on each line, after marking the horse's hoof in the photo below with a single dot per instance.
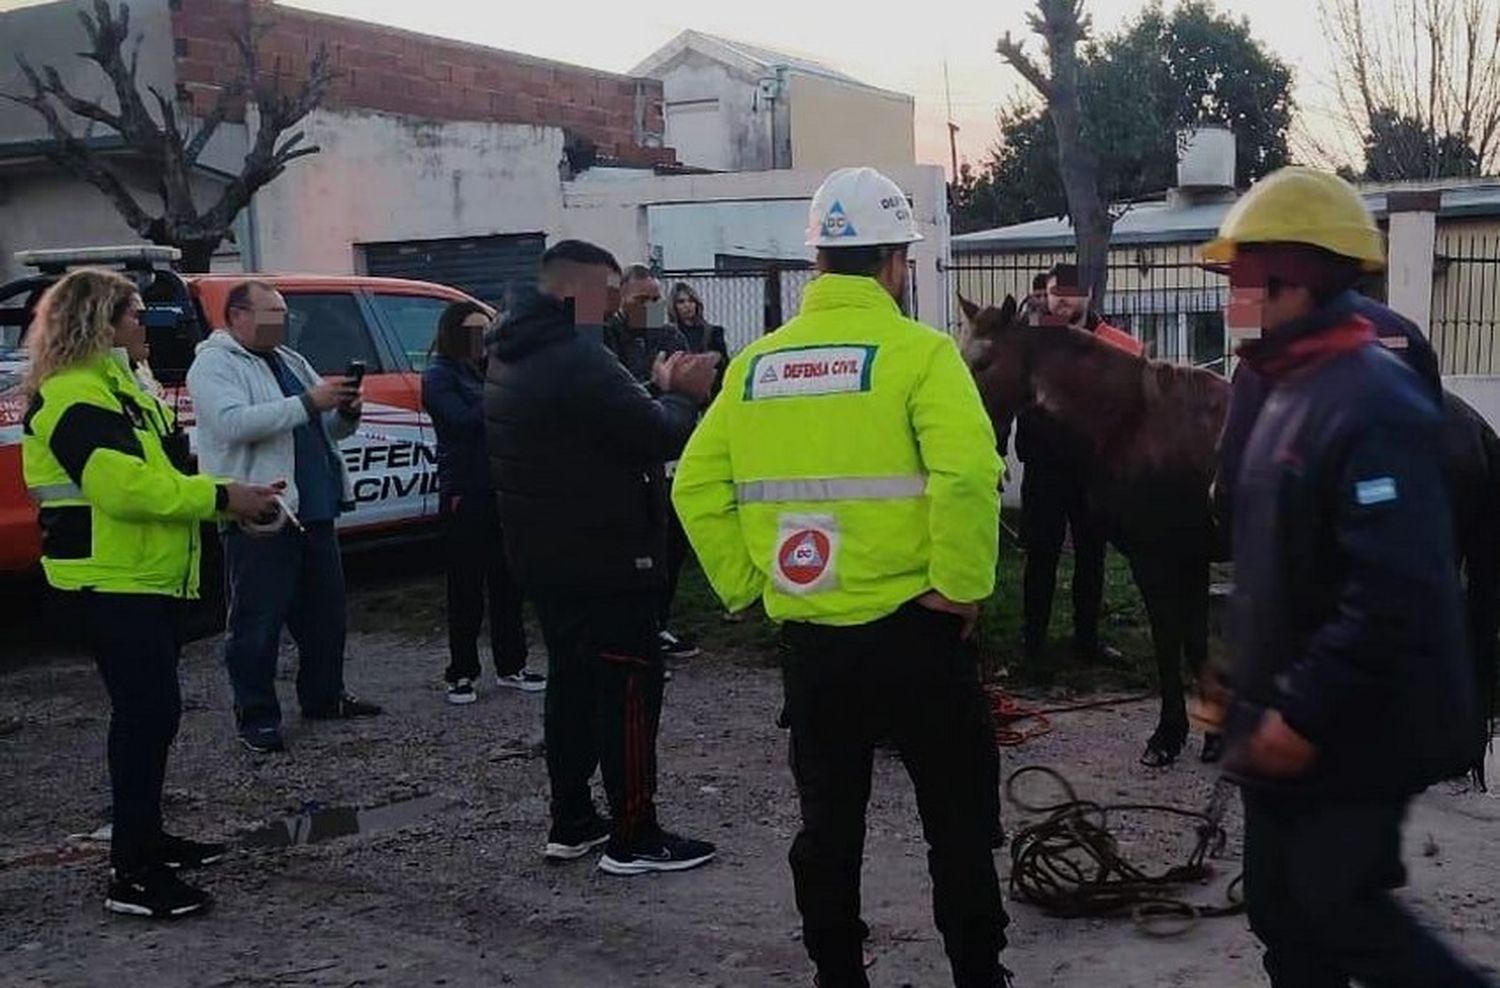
1213 748
1163 747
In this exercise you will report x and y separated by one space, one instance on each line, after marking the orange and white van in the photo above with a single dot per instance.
387 323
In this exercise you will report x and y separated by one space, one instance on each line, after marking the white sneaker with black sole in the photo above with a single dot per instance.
572 843
665 852
155 893
526 682
461 691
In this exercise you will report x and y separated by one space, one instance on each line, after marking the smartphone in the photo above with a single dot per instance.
354 375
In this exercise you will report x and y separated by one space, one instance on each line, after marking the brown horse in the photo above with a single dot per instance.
1148 434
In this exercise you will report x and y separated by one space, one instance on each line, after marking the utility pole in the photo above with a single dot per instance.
952 127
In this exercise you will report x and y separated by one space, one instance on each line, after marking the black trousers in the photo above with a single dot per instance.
1052 502
907 679
1318 875
604 689
678 548
475 556
135 642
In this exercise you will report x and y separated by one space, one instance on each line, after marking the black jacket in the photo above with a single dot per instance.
1248 390
575 448
1347 611
637 348
453 397
707 338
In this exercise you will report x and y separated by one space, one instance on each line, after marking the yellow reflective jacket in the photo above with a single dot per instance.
847 467
117 516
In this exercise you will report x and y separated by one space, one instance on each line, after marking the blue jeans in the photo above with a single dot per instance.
288 579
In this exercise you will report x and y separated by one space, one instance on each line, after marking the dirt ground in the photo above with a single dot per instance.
457 893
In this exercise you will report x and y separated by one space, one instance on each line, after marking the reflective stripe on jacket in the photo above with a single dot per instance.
847 467
117 516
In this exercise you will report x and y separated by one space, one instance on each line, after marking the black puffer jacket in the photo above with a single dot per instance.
576 447
1347 611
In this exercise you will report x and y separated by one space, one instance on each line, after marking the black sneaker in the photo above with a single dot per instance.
155 893
677 647
572 843
262 740
346 708
665 852
526 682
462 692
179 852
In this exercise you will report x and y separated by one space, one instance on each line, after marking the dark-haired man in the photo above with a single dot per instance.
872 535
575 446
1053 496
265 416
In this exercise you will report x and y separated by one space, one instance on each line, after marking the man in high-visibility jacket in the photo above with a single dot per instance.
847 475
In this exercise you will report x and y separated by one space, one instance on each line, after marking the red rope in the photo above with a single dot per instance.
1008 712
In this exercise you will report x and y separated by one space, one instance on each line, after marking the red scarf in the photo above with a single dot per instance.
1278 357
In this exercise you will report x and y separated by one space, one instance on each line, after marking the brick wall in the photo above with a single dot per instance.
395 71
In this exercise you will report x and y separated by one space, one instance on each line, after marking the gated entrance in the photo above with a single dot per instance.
1465 328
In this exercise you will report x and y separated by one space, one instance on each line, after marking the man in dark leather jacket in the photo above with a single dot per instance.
575 446
1352 688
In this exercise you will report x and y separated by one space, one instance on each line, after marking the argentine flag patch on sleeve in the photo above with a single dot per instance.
1378 490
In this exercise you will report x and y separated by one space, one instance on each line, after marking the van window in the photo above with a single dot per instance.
414 318
329 330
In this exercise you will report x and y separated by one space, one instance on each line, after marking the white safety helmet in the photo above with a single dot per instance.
859 207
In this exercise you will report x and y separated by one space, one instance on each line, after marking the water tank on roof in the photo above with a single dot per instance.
1205 158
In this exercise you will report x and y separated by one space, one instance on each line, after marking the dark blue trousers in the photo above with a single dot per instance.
293 580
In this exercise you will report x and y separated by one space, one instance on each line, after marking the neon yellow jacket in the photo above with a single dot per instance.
847 467
116 515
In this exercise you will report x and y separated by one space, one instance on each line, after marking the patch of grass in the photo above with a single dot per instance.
1123 624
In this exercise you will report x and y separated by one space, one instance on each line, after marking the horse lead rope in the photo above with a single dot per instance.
1069 864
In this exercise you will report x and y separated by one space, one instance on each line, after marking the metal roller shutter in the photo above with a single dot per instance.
485 267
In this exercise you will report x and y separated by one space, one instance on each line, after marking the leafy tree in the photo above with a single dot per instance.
1401 147
1161 73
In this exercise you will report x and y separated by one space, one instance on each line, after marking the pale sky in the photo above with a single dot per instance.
903 49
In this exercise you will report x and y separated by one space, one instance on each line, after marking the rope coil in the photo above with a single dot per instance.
1069 864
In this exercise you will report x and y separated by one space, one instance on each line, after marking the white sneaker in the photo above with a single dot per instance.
462 691
526 682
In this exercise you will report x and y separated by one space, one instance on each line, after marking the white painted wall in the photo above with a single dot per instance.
1412 237
42 208
382 177
734 134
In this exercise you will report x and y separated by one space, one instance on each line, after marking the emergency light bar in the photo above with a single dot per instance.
130 255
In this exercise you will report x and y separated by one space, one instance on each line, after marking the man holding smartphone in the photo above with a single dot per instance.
264 413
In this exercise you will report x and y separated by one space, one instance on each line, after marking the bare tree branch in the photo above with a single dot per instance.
168 143
1017 59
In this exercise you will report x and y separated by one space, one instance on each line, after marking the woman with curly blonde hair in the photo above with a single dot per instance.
120 540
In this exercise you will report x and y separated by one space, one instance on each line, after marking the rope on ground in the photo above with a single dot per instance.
1069 864
1008 712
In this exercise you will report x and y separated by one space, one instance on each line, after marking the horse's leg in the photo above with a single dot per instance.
1193 595
1156 576
1483 565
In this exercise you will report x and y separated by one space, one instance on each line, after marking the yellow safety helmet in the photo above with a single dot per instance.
1299 205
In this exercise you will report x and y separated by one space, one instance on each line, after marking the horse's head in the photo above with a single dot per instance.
996 346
